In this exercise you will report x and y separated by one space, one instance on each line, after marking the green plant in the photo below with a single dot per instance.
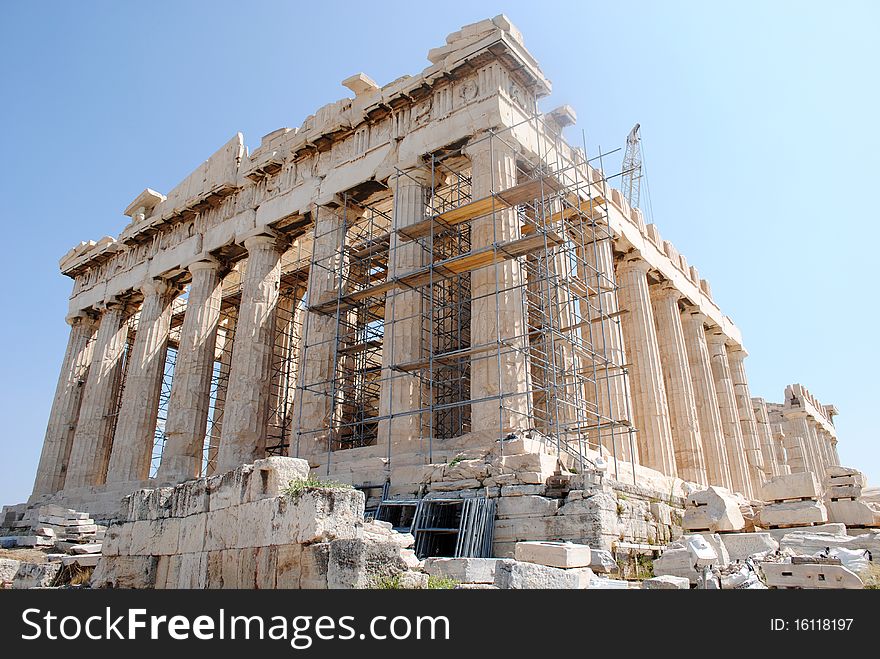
458 458
441 583
299 486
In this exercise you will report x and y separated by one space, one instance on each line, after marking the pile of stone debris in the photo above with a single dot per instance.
67 544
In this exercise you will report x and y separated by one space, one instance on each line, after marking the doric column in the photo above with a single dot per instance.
705 396
313 404
136 428
97 415
835 456
615 401
797 435
754 457
782 456
222 354
497 307
60 430
190 397
819 445
656 448
733 441
250 376
765 437
683 417
404 333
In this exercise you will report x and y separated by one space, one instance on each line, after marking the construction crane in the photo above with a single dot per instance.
632 168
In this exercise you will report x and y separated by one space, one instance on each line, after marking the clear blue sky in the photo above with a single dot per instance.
757 118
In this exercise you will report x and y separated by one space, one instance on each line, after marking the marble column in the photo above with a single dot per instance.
706 399
190 398
60 430
313 405
97 415
748 425
250 375
782 457
615 400
223 355
136 428
835 456
656 448
765 437
724 390
497 305
683 418
797 432
405 332
819 444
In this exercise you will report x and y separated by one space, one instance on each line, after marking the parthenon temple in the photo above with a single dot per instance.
420 273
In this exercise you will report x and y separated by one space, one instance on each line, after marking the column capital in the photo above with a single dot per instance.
736 351
208 263
157 286
694 314
263 239
486 141
415 175
665 289
716 335
793 413
633 261
81 317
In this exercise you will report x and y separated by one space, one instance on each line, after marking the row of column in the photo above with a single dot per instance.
813 448
94 437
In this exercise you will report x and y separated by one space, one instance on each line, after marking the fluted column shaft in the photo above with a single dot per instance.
136 428
497 308
250 376
747 422
656 449
797 447
615 400
820 446
765 437
97 415
706 399
779 446
404 333
683 418
313 404
724 390
60 430
222 354
190 397
835 457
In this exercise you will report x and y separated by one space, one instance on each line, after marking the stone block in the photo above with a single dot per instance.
809 575
271 476
713 509
224 569
189 498
256 523
554 554
852 491
602 561
266 560
8 568
193 571
800 485
155 537
662 512
222 529
229 488
465 570
832 529
35 575
741 546
315 566
517 575
717 544
87 560
288 566
678 562
666 582
88 548
357 563
836 471
317 515
794 513
159 503
854 513
526 506
540 463
192 531
117 540
125 572
522 490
